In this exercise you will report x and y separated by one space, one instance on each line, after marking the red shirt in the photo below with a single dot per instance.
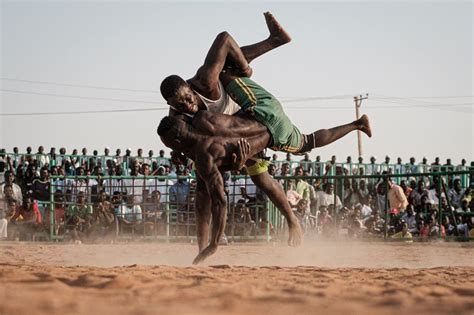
28 215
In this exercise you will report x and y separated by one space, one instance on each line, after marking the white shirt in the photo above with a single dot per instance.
223 105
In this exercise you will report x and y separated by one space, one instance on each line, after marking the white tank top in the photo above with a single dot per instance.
224 104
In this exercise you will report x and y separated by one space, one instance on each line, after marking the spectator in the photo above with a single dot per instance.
139 158
406 189
423 166
27 218
404 233
16 190
150 159
129 213
40 187
410 218
325 221
412 168
456 194
103 216
4 206
180 190
41 157
396 197
162 160
353 195
302 187
79 215
307 164
59 212
326 197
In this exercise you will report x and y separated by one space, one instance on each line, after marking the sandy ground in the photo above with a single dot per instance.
319 277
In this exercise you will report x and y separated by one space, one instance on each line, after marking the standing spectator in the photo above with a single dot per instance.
277 163
9 180
307 164
43 159
464 177
435 166
396 197
139 158
399 167
302 187
127 158
423 167
52 157
162 160
118 159
412 168
386 165
150 159
372 168
17 158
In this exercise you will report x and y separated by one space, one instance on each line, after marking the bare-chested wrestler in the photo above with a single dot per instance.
214 154
205 92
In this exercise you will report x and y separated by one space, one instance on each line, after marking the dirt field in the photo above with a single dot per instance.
317 278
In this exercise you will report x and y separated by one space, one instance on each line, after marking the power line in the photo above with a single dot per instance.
80 97
79 85
87 112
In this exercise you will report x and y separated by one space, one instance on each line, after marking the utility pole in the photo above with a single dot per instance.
358 102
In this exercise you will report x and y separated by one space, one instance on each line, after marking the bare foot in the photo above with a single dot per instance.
277 33
296 235
208 251
364 125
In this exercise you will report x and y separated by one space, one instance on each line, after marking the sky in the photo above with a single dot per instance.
413 58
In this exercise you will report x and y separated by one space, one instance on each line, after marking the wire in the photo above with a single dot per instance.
87 112
81 97
79 85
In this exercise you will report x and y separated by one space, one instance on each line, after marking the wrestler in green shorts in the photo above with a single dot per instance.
267 110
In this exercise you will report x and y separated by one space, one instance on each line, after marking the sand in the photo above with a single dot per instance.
317 278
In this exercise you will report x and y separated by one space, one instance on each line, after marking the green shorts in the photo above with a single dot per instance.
267 110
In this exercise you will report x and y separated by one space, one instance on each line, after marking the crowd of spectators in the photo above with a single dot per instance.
101 196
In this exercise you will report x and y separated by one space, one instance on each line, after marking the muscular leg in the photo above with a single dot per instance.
278 36
324 137
203 214
275 192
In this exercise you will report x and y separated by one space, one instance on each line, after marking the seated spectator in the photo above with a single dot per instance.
15 189
59 213
354 223
326 197
154 210
27 218
325 222
404 234
129 213
456 194
103 218
410 219
353 195
79 216
3 219
180 190
40 189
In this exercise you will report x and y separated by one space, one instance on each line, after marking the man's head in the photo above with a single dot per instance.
329 188
28 150
150 153
162 153
44 173
399 160
84 151
360 159
179 95
298 171
272 169
349 159
172 131
81 198
140 152
118 152
106 151
387 159
146 169
15 150
40 149
62 150
285 168
9 177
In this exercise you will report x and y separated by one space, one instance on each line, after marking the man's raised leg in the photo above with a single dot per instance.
324 137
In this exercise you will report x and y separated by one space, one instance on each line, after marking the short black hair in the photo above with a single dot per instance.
165 124
170 86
